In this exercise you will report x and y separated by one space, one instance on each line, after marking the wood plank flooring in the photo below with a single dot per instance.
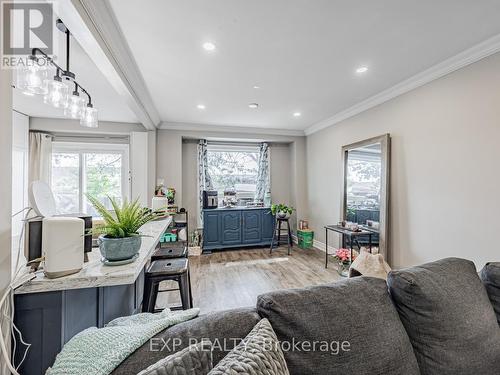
234 278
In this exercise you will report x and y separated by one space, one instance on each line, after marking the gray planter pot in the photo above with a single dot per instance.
282 214
116 249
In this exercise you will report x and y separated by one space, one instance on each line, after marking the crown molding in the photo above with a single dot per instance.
94 25
229 129
467 57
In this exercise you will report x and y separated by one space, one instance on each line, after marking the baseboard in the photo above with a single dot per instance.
317 245
321 246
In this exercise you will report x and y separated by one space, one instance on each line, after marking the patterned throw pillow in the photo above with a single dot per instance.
193 360
258 354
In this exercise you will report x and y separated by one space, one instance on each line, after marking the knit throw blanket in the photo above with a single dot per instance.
98 351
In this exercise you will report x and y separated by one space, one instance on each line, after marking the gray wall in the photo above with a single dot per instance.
445 183
177 165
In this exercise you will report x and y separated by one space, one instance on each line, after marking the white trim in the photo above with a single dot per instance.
94 26
228 129
321 246
467 57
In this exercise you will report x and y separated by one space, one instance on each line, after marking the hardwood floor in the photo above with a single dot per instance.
234 278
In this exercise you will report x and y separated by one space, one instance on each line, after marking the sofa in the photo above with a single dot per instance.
438 318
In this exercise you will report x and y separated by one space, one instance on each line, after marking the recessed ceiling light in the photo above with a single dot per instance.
256 87
208 46
297 114
253 105
201 106
362 69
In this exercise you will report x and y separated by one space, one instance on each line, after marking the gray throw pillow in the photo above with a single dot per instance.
344 328
490 275
258 354
446 312
193 360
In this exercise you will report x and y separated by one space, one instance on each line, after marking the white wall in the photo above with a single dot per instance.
445 188
20 130
5 190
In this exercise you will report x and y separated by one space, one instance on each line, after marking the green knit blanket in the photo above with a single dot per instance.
98 351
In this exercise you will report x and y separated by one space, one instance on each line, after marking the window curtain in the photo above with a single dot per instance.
204 180
40 157
263 183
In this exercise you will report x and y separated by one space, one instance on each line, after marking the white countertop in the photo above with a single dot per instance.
95 274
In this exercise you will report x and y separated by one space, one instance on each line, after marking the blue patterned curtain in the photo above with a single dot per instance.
204 180
263 184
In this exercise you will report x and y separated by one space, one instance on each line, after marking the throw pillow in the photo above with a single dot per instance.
448 316
347 327
258 354
193 360
490 275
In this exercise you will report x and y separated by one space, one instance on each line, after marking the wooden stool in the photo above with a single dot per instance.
163 270
277 233
170 253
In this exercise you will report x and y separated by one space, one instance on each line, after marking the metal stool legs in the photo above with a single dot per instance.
277 229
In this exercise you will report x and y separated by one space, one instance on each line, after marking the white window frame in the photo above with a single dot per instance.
233 147
104 148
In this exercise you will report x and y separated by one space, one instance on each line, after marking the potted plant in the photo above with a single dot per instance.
343 257
119 237
281 210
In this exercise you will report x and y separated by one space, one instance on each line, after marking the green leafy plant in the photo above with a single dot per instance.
126 219
275 208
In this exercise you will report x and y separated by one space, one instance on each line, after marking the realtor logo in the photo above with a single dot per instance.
25 25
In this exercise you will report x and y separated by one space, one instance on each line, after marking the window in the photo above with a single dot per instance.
234 167
97 169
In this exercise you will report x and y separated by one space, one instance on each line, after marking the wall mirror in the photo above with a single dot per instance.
365 193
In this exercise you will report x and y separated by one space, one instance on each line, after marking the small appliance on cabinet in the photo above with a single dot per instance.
210 199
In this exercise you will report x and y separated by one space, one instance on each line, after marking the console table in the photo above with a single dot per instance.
49 312
346 233
225 228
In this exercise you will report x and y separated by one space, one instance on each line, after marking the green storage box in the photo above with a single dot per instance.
305 238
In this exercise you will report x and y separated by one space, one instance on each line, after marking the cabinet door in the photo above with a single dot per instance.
211 228
252 226
267 225
231 227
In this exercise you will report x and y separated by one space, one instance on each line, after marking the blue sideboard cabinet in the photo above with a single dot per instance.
237 227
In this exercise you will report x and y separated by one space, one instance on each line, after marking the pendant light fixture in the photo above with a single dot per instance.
35 79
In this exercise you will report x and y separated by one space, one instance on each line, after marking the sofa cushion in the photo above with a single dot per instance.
490 275
196 359
258 354
446 312
222 328
348 327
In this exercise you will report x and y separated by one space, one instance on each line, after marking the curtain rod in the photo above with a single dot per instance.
236 143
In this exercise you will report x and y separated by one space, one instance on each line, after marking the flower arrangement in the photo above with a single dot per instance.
344 255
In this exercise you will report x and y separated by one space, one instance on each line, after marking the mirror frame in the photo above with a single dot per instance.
385 143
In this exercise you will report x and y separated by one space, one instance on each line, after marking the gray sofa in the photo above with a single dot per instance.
438 318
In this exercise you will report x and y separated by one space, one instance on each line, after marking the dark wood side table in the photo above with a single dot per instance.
350 235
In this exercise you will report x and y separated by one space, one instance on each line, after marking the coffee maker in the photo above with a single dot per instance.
210 199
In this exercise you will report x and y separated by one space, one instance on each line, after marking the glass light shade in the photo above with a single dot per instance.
76 107
89 118
32 79
57 94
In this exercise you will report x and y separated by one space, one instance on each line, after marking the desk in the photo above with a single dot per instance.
351 235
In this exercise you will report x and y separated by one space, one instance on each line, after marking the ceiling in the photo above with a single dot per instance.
111 107
302 54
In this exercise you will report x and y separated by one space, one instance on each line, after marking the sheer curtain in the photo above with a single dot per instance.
204 180
263 183
40 157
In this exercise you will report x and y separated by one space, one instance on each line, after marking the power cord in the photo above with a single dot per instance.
8 309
